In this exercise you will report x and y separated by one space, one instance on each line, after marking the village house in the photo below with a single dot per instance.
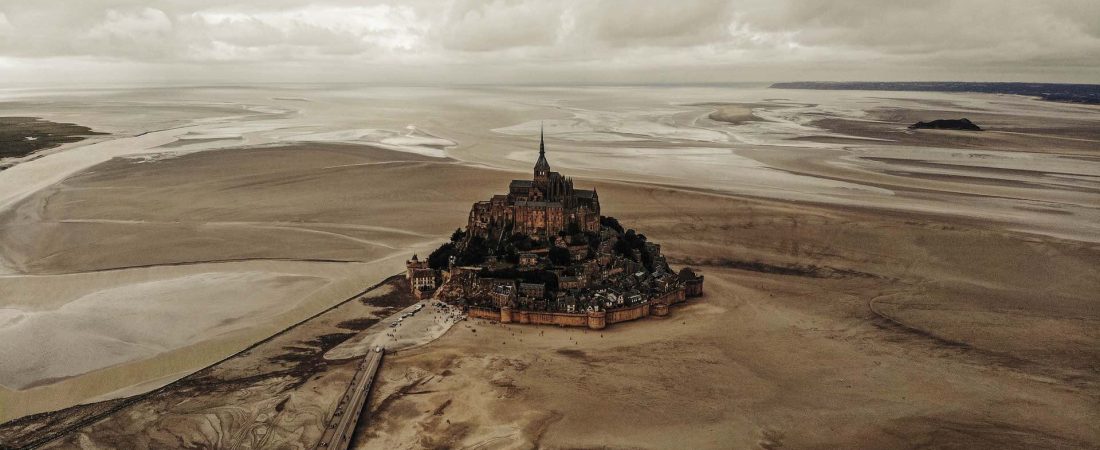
578 252
528 259
693 284
570 282
413 265
532 290
424 282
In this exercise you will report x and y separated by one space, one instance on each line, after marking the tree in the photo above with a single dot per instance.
593 242
612 223
458 235
647 260
522 242
441 256
474 253
623 247
629 242
559 256
574 229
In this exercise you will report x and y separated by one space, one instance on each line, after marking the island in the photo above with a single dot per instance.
946 124
543 254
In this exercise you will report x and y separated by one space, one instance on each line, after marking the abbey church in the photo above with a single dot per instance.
540 207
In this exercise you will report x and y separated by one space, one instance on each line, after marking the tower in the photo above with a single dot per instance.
542 168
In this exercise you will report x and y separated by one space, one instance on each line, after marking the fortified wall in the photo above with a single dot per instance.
596 320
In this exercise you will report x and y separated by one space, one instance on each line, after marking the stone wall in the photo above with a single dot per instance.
545 318
595 320
483 313
671 298
694 287
625 314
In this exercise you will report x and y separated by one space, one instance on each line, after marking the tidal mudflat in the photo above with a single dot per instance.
868 285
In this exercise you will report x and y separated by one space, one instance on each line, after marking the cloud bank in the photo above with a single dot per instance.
533 41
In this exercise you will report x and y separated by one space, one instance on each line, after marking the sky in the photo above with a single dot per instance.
545 41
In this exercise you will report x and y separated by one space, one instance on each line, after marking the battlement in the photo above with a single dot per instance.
595 319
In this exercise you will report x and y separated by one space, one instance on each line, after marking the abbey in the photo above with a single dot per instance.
539 208
542 254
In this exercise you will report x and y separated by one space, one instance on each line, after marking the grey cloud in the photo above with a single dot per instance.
939 26
473 25
567 40
672 24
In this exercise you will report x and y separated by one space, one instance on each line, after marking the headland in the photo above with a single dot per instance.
22 136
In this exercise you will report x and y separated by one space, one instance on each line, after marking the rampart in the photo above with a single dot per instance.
596 320
483 313
627 314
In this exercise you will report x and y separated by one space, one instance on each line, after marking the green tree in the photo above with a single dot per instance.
612 223
441 256
474 253
458 235
559 256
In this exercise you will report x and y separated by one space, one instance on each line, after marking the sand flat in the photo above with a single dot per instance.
921 329
205 277
852 304
139 320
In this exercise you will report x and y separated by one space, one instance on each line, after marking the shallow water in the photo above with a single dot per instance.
631 133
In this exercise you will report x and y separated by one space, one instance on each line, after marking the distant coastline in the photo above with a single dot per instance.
21 136
1054 92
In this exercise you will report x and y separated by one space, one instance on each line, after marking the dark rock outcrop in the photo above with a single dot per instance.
21 136
946 124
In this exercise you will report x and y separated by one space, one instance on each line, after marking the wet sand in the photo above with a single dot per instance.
881 331
265 244
731 113
866 286
277 393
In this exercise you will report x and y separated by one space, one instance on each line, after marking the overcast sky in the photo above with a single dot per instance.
543 41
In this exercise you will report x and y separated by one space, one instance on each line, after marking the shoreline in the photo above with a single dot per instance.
1069 93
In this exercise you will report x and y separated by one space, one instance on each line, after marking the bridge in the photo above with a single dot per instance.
341 425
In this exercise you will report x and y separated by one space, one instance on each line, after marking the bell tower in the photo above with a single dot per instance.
542 168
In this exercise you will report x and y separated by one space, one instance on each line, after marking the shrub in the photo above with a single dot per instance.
441 256
559 256
458 235
611 223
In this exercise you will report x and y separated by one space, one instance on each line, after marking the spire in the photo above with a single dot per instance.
541 165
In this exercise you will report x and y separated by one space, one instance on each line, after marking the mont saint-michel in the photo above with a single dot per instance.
543 254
